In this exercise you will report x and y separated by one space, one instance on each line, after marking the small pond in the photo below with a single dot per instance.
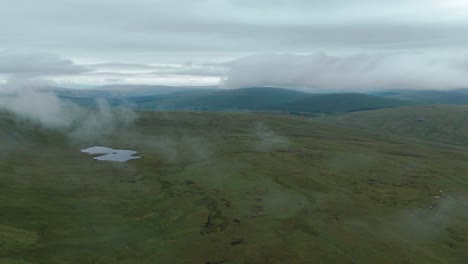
109 154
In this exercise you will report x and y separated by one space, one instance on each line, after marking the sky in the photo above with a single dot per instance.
335 44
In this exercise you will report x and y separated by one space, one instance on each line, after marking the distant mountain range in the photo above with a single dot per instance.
453 97
245 99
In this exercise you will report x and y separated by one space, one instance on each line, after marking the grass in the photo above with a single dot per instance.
442 123
231 188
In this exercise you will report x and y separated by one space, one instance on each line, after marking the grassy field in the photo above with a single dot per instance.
231 188
442 123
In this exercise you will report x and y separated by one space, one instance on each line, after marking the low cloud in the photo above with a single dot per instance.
40 106
268 140
89 124
441 220
196 70
30 101
37 64
354 73
122 65
151 74
137 69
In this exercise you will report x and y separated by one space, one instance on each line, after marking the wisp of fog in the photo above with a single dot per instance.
33 101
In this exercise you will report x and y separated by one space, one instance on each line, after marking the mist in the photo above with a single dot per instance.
361 72
425 224
29 63
30 100
268 140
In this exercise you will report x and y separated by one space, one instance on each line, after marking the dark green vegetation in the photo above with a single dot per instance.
454 97
246 99
231 188
442 123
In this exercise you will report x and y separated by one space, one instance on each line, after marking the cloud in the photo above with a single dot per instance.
191 74
135 69
109 78
194 70
29 101
212 31
357 72
14 85
37 64
162 29
268 140
103 120
122 65
440 220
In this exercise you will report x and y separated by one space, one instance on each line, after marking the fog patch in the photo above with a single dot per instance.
198 148
184 148
43 107
101 121
172 146
25 64
166 147
360 72
268 140
31 101
428 223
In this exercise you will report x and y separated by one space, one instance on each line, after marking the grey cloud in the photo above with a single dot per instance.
135 69
123 27
37 64
238 36
121 65
268 140
138 34
27 100
116 74
196 71
358 72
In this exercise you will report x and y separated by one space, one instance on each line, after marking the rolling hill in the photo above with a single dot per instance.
442 123
342 103
452 97
262 99
244 99
230 188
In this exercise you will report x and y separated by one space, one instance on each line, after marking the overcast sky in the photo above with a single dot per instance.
237 42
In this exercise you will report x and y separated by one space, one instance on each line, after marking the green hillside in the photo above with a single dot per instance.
453 97
342 103
236 99
441 123
230 188
266 99
244 99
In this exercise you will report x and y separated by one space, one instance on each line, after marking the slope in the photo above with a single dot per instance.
443 123
343 102
267 99
453 97
231 188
